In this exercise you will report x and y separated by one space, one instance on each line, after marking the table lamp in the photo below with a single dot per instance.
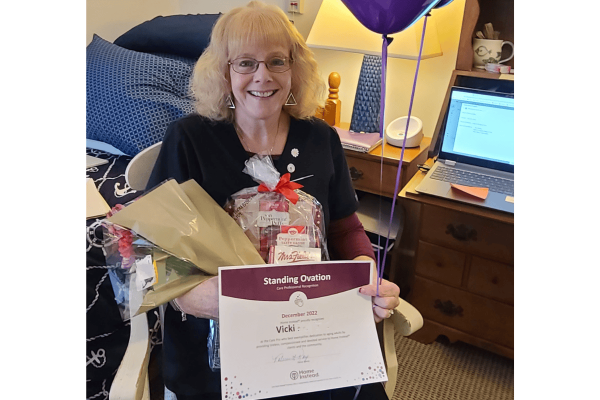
335 28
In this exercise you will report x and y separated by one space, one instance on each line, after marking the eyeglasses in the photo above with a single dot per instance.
246 65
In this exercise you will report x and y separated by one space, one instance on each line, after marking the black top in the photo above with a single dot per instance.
211 153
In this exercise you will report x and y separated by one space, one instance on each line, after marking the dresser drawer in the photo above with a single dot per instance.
492 279
440 264
468 233
365 176
469 313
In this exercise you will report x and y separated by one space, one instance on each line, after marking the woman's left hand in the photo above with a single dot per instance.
389 292
387 300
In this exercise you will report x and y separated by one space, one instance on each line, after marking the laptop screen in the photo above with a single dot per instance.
479 129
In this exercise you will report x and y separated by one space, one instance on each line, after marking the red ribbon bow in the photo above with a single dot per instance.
285 187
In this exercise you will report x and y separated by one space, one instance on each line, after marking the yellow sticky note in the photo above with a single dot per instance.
510 199
479 192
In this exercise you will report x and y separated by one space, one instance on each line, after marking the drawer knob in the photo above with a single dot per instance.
461 232
355 174
448 308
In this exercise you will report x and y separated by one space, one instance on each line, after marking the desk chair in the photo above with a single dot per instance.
140 167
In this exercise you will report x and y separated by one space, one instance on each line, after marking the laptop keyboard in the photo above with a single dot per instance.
460 177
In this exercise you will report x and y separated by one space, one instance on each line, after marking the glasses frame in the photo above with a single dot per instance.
230 63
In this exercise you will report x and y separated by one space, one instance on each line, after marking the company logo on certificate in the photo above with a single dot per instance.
296 328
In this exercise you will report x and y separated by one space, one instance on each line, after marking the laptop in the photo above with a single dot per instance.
475 161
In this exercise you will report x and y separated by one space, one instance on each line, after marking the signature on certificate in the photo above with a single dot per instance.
281 357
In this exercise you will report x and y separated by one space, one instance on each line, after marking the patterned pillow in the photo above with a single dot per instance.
182 35
132 97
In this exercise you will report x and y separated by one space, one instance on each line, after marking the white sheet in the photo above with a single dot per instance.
98 145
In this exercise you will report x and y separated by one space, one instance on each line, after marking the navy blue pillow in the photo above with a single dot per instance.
183 35
132 97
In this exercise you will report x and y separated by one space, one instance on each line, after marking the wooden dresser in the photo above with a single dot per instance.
457 268
455 261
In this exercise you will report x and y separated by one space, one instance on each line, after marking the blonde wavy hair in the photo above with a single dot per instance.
262 25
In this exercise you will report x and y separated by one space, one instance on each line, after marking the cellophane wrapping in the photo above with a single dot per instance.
281 230
138 266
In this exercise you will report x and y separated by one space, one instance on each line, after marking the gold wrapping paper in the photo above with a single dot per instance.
184 221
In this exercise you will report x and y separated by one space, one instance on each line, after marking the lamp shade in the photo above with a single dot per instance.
335 28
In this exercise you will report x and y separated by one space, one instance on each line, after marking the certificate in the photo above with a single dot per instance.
296 328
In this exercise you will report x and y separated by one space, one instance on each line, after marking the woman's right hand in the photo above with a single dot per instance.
202 301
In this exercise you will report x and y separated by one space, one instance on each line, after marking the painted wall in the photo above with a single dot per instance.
111 18
433 78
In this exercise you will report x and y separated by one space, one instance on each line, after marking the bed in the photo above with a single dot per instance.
135 87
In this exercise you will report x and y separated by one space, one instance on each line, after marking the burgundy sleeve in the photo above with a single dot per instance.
347 239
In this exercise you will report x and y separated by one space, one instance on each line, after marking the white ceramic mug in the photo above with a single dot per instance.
489 51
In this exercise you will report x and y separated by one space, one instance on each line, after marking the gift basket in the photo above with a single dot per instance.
283 223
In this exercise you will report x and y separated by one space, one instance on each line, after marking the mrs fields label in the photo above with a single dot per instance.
286 254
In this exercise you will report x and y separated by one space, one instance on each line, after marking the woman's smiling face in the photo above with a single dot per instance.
260 95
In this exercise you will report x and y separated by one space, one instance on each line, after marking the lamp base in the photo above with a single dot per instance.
367 101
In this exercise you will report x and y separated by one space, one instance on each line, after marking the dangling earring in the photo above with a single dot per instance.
229 102
291 100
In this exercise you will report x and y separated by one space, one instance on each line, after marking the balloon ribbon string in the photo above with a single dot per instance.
384 46
412 97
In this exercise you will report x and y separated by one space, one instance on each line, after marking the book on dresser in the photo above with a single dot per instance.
358 141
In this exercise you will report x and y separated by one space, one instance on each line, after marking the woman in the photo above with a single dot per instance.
257 87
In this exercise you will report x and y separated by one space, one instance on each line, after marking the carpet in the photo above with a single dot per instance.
457 371
439 371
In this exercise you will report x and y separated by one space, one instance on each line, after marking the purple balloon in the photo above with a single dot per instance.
389 16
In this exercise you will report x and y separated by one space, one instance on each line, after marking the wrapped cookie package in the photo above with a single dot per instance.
283 223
